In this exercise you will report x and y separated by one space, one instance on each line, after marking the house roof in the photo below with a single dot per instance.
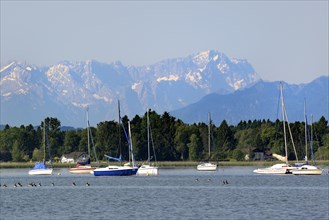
74 154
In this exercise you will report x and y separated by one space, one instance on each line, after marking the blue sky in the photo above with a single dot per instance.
283 40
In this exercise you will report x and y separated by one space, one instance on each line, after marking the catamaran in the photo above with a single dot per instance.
148 169
207 165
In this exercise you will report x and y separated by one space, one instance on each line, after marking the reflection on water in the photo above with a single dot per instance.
174 194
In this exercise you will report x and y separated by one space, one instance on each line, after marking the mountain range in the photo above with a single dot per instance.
210 78
261 101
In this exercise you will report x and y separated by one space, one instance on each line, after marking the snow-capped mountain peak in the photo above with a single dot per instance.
66 88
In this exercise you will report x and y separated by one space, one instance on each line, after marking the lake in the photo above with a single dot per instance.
180 193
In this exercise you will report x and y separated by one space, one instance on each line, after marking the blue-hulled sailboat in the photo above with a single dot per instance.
128 169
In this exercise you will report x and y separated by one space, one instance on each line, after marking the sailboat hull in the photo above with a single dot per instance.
116 171
307 170
41 172
207 167
82 170
147 170
276 169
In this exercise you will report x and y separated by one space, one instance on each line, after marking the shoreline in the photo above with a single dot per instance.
165 164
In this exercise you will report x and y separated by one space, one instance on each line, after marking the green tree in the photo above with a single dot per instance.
37 155
107 139
181 141
194 147
55 136
225 140
71 141
237 155
322 153
165 138
16 153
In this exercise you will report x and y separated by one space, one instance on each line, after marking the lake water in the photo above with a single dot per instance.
174 194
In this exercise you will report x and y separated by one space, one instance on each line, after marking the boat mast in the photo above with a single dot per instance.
119 129
305 131
88 137
48 145
148 137
209 130
44 141
129 143
284 124
311 138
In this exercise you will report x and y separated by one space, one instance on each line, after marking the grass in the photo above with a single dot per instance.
169 164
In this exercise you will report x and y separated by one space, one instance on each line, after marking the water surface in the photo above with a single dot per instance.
174 194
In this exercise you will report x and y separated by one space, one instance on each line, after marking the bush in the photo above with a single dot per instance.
237 155
322 153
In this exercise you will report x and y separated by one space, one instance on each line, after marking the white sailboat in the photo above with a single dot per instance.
281 168
307 169
207 165
147 169
40 168
84 167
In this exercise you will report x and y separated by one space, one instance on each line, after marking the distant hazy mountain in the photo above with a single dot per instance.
30 93
261 102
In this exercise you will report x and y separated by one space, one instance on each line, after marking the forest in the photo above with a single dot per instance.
173 139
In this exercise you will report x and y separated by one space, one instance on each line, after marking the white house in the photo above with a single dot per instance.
71 157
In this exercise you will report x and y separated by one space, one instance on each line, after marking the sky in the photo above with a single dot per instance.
283 40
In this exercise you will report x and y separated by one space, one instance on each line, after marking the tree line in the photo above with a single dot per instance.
173 139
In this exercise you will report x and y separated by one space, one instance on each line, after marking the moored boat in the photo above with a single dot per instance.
83 160
307 170
128 169
81 169
206 165
40 168
113 170
148 169
281 168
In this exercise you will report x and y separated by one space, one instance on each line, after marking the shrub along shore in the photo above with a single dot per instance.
161 164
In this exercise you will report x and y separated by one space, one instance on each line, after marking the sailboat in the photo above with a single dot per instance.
127 169
281 168
82 166
206 165
307 169
40 168
148 169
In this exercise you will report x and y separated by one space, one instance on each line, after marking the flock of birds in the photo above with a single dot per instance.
225 182
33 184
